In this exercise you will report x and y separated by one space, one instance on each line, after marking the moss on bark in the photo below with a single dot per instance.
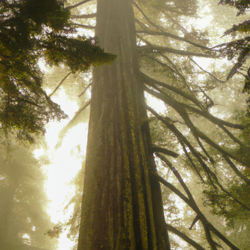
122 205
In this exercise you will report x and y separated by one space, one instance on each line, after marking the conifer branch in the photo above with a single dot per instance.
184 237
226 156
182 112
161 63
198 134
157 49
71 123
176 173
151 32
182 139
193 205
210 174
206 224
27 101
212 118
183 79
232 136
184 31
191 161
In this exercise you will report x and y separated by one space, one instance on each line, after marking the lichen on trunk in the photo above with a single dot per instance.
122 204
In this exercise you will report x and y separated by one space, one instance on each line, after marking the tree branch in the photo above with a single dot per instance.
182 139
151 32
206 224
194 222
154 25
193 206
77 4
198 134
151 81
85 90
83 16
83 26
206 71
184 237
157 49
164 151
213 118
58 86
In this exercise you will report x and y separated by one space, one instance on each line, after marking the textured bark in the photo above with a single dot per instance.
122 204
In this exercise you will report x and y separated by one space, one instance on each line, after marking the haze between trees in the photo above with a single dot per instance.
122 207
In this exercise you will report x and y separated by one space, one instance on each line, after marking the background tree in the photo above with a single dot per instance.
24 220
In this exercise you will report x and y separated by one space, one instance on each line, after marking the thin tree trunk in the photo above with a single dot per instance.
122 204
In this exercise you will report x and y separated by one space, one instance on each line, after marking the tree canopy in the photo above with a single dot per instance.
31 31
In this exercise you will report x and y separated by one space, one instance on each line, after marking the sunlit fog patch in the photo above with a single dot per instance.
156 104
65 163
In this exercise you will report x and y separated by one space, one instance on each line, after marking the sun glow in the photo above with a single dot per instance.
65 162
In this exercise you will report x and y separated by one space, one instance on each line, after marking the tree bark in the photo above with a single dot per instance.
122 205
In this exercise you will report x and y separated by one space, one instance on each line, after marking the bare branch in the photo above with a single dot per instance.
83 26
194 222
212 118
205 70
83 16
182 139
151 81
157 49
76 5
206 224
151 32
85 90
61 82
154 25
193 206
184 237
164 151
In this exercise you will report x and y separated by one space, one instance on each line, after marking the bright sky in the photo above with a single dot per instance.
64 165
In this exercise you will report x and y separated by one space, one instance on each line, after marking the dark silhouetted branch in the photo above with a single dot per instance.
184 237
61 82
157 33
83 16
156 49
165 151
83 26
76 5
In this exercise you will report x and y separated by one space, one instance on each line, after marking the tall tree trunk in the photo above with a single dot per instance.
122 204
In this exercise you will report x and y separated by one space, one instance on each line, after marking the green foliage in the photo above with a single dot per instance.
238 48
225 206
77 54
241 5
31 30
